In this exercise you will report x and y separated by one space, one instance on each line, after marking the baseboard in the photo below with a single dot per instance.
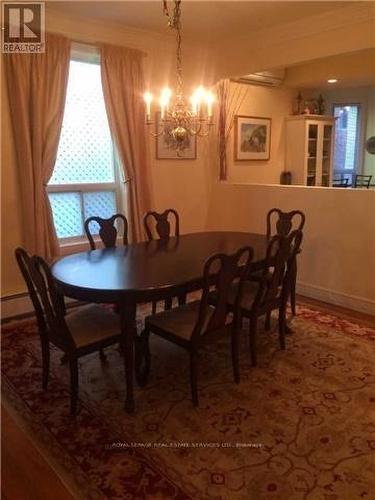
16 305
353 302
19 306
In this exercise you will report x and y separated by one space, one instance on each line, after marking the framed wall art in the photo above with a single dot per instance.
252 138
166 151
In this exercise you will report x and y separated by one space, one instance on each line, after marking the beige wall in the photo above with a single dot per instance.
275 103
338 259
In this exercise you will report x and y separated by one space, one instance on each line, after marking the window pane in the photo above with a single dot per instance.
66 209
85 149
346 133
101 204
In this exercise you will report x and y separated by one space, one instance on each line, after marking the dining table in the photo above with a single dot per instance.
146 272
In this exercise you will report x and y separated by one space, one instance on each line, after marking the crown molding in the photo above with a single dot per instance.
89 30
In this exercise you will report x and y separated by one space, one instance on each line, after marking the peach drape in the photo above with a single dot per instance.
123 85
37 88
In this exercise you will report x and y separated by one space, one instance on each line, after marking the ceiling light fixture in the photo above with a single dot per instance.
179 120
332 80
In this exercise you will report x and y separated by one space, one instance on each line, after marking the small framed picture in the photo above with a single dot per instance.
165 143
252 138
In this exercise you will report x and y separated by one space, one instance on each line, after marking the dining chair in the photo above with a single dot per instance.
85 330
282 223
342 182
107 230
162 226
198 323
362 181
272 290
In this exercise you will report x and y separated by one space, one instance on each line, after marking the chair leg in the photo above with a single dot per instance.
182 299
282 323
168 304
103 357
193 377
293 287
73 365
45 362
252 339
235 355
154 306
142 358
267 324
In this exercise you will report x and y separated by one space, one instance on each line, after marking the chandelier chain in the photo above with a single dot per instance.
174 22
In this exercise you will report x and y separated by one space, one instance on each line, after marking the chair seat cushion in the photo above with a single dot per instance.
178 322
91 324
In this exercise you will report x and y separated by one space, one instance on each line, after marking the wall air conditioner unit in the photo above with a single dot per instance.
264 78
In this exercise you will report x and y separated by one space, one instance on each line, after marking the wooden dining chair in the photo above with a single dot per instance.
85 330
272 290
108 231
198 323
362 181
163 226
279 222
340 181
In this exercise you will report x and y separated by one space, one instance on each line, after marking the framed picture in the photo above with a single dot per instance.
252 138
165 149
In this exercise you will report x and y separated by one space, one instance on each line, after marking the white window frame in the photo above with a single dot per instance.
89 54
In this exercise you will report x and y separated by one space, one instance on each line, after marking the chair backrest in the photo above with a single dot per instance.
284 221
162 224
281 251
24 263
107 230
362 181
220 272
52 303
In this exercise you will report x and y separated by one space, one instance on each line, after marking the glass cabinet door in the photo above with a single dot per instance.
326 155
312 154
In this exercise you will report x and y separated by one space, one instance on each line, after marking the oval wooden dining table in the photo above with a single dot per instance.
146 272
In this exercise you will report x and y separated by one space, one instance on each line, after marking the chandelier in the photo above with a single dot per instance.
180 120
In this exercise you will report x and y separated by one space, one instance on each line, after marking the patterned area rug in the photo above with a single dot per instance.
299 426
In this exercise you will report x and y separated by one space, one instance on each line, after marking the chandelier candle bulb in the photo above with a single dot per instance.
209 100
148 100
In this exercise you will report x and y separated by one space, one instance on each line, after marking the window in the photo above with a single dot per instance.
85 178
346 136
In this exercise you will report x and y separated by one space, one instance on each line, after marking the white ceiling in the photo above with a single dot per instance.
354 69
207 21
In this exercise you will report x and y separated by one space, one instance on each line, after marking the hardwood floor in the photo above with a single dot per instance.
26 475
343 312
